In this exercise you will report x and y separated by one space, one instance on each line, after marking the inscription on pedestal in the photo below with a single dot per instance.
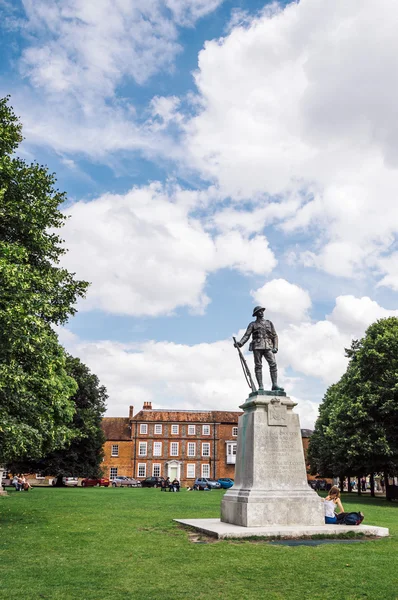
283 445
277 413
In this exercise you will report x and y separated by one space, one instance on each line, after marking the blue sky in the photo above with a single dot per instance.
216 155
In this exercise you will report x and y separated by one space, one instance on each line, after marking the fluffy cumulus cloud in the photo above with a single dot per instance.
301 102
354 315
145 254
287 300
208 375
202 376
77 55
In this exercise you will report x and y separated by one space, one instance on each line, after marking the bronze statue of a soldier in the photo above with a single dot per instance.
264 343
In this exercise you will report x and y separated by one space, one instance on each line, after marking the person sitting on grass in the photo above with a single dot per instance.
17 483
176 485
331 501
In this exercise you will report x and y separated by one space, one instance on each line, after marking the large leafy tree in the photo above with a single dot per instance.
36 406
322 452
357 429
83 456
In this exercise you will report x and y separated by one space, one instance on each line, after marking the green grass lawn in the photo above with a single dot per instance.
123 543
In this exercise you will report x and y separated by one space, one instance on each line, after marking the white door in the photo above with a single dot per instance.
173 472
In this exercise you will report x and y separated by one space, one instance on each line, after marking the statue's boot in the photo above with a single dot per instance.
274 379
259 377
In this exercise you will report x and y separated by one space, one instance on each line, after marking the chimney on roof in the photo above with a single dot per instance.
131 412
147 406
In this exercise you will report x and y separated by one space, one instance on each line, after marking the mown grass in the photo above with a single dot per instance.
122 543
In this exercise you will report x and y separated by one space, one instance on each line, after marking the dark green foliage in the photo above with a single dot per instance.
83 456
35 293
357 429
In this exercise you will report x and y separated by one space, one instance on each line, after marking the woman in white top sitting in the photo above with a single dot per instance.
331 501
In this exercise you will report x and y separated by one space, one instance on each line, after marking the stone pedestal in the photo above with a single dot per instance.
270 475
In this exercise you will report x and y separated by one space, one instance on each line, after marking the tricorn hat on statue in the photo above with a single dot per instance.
256 309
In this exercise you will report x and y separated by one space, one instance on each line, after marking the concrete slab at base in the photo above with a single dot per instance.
221 530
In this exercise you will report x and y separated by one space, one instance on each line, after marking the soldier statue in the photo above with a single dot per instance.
264 343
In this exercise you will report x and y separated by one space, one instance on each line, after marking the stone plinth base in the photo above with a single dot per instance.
262 508
217 528
271 485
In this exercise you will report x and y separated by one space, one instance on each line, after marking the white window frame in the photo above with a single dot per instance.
174 445
144 428
231 448
205 470
234 432
205 429
157 448
175 429
207 446
112 473
115 453
158 429
191 467
191 429
37 475
159 468
191 446
144 447
142 467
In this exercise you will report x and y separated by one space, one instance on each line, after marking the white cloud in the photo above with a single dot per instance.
187 12
304 99
389 266
208 375
247 255
202 376
87 47
354 315
164 112
287 300
315 350
145 253
76 57
264 213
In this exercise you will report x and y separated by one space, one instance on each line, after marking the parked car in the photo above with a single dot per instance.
202 482
152 482
226 482
122 481
68 481
92 482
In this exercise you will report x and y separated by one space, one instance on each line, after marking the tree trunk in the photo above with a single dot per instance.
2 490
59 482
341 483
349 484
359 492
372 485
386 484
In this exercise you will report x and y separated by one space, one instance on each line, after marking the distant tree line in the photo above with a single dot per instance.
356 433
50 404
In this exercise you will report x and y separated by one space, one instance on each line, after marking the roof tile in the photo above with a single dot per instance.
116 428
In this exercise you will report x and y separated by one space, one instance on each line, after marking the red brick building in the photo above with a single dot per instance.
172 443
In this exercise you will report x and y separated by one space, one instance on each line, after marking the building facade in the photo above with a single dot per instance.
171 443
